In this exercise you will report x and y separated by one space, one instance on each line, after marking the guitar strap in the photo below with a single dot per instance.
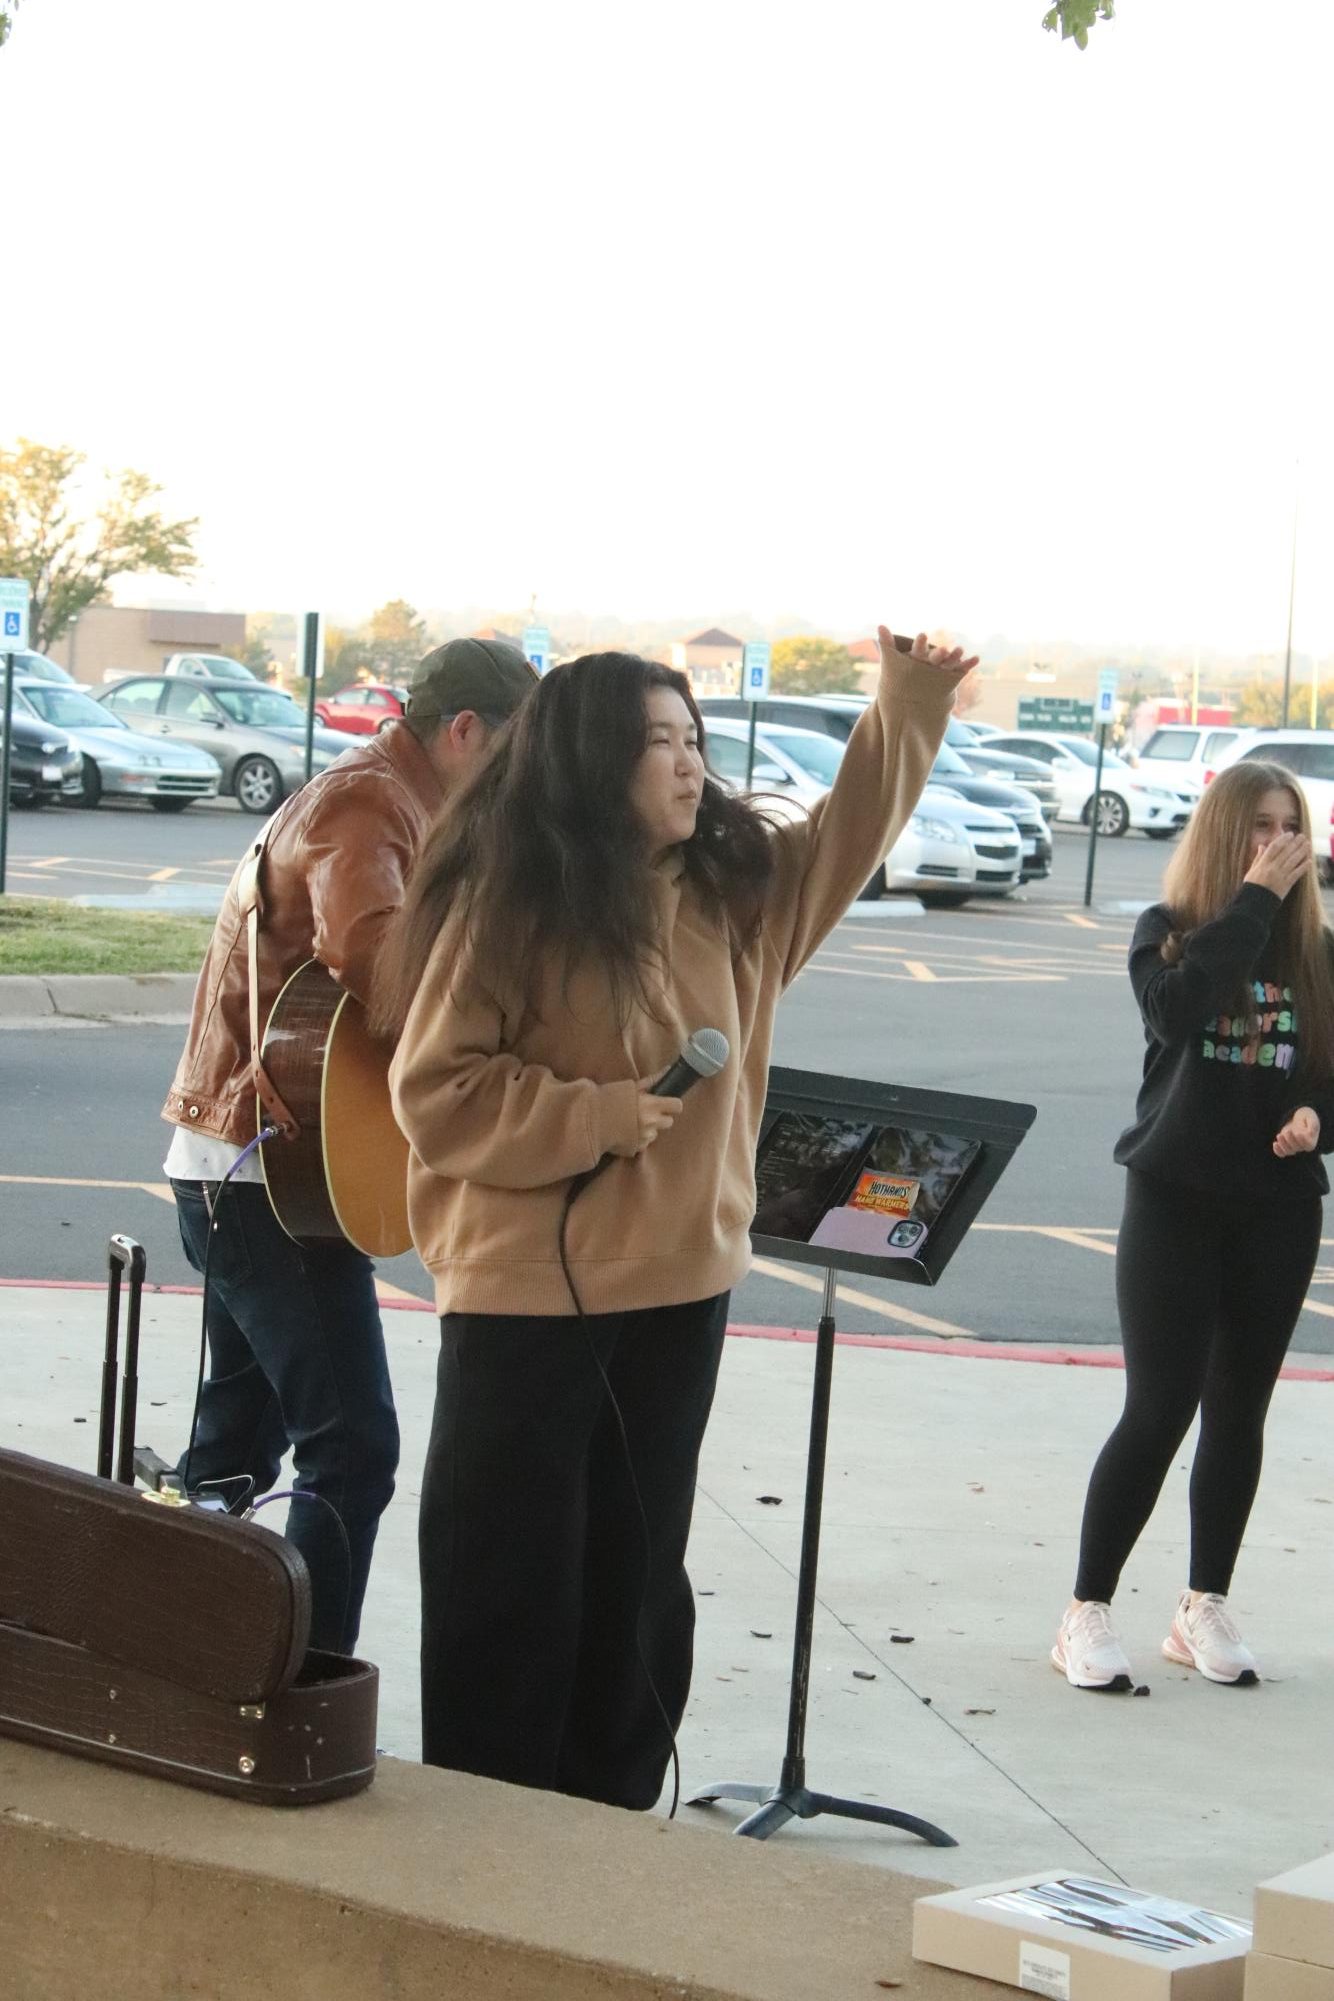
251 898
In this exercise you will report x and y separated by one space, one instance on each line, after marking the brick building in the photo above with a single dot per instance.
125 639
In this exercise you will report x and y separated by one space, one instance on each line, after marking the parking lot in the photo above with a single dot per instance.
1022 998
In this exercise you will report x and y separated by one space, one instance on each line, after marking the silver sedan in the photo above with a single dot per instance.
257 734
117 761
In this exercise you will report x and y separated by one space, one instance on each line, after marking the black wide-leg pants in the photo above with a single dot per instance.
1208 1288
539 1590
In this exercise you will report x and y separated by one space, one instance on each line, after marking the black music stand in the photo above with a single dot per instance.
997 1127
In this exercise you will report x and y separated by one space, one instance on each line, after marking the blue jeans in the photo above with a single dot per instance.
296 1358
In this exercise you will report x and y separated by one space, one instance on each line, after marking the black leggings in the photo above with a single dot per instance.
1208 1289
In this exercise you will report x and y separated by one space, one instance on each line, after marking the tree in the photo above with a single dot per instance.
68 560
256 653
806 666
397 640
1074 18
7 13
1260 703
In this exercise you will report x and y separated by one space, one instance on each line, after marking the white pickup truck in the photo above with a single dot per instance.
190 667
1185 754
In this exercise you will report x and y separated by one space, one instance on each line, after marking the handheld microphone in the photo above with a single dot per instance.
704 1055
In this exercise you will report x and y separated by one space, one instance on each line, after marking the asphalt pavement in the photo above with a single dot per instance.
1024 999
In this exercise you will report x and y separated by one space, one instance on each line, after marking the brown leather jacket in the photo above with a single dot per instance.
336 862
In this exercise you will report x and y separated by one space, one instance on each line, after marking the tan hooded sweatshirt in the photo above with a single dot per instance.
503 1103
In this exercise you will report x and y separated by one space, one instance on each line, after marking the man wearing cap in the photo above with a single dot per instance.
296 1349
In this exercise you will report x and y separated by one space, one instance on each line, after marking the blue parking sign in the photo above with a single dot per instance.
755 670
14 614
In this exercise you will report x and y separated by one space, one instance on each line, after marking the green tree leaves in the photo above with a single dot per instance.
1072 19
70 559
808 666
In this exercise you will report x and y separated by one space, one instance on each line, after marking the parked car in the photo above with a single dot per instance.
43 763
835 715
980 731
206 667
977 754
1184 754
950 850
39 668
119 762
362 710
189 667
1126 799
257 735
1309 756
952 771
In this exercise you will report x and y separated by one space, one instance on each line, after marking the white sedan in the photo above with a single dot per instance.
1127 798
948 852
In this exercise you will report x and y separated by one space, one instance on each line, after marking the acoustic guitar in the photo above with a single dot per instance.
344 1177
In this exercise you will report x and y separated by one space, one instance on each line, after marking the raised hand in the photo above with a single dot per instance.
1281 864
950 660
1300 1135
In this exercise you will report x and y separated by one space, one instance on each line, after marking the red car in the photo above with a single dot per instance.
362 710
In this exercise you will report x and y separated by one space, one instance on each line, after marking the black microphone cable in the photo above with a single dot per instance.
704 1056
575 1190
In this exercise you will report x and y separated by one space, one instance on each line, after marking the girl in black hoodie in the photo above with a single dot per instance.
1235 981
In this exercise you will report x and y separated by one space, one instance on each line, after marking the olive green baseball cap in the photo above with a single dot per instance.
484 675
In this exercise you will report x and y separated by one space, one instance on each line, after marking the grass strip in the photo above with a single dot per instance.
39 935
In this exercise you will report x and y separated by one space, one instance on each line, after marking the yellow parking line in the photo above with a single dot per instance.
161 1189
923 1321
163 874
1084 923
45 861
918 970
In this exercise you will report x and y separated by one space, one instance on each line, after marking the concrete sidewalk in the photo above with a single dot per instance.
952 1508
52 999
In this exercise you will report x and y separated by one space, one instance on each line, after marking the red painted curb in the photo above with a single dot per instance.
909 1344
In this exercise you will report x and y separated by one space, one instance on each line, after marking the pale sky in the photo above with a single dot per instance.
867 309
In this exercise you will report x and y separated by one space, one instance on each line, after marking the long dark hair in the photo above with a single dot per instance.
1205 874
541 852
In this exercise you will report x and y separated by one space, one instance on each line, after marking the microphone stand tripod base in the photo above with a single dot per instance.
790 1799
779 1804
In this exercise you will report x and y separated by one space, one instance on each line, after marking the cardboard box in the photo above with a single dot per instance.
1294 1914
1076 1938
1269 1979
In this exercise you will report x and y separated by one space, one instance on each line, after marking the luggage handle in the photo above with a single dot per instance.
126 1257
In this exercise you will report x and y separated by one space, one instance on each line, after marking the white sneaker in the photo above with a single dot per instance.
1204 1636
1087 1651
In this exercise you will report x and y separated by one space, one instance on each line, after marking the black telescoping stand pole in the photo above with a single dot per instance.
790 1798
124 1256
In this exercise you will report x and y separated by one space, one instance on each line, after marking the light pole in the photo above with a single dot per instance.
73 636
1292 592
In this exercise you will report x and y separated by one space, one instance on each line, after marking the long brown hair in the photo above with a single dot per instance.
1204 875
541 852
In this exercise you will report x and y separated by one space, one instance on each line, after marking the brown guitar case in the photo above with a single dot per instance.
170 1640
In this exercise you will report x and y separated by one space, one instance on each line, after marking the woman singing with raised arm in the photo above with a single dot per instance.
590 901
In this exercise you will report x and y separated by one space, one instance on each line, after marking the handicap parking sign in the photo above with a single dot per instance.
14 614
